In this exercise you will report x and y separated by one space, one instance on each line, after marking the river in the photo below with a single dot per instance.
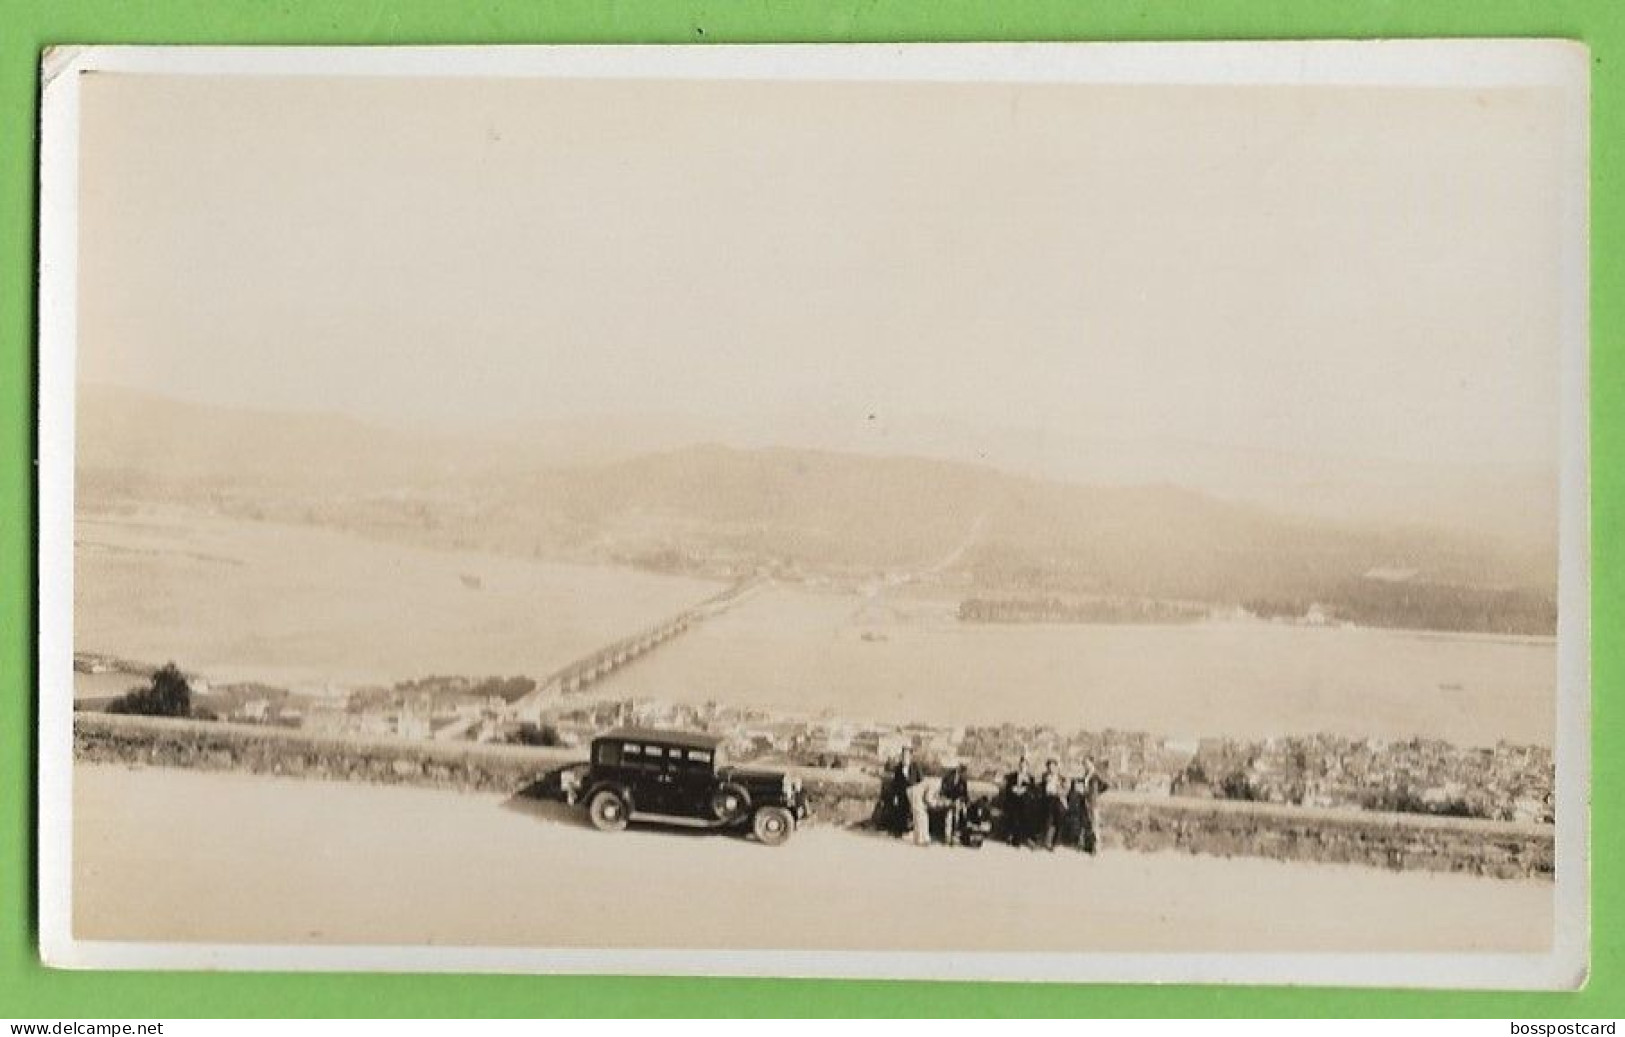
903 659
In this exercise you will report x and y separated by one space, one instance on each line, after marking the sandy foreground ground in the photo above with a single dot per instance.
177 855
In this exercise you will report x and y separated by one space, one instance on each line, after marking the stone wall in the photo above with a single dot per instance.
206 745
1500 849
1128 821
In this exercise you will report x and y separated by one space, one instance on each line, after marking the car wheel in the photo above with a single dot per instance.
608 810
729 804
773 825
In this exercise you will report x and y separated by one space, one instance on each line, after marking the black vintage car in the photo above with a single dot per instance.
679 777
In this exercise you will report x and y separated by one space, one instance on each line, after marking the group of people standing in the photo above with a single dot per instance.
1044 809
1036 809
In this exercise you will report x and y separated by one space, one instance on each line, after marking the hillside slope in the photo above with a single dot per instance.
716 509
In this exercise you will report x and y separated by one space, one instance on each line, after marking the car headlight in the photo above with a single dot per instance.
792 785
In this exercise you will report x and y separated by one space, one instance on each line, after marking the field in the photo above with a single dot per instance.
295 606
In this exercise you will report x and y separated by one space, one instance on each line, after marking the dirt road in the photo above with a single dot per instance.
180 855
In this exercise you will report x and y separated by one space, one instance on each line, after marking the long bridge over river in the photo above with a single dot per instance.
580 674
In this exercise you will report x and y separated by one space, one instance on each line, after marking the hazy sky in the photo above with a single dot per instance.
1361 272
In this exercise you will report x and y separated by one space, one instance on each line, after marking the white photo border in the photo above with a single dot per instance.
1454 64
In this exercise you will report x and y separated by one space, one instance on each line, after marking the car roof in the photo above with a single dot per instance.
685 739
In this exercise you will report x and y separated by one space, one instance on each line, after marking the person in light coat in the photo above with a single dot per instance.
905 786
1088 788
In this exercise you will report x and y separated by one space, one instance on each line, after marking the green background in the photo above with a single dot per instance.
27 26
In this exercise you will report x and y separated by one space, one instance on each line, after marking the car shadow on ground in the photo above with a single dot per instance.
543 799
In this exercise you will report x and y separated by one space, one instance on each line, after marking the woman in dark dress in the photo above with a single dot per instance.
955 796
1019 788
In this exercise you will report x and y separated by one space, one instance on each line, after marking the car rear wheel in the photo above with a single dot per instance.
608 810
773 825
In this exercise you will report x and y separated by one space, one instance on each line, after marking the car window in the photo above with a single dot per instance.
639 755
609 753
697 760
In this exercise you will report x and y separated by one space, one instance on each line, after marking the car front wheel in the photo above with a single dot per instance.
773 825
608 810
729 804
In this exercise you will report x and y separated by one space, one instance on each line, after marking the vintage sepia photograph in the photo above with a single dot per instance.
1071 512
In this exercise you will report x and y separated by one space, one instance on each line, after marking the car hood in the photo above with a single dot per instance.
751 775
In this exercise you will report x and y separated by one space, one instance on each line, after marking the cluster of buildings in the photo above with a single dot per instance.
1503 782
435 708
441 708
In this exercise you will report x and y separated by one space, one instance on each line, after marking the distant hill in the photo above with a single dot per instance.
706 507
1375 491
819 508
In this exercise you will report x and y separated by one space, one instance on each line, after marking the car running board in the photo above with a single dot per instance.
685 822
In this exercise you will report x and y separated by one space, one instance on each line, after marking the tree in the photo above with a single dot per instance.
167 696
546 735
